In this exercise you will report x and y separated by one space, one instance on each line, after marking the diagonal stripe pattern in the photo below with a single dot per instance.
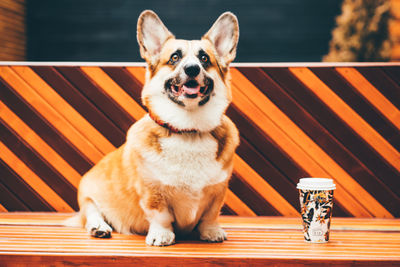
331 121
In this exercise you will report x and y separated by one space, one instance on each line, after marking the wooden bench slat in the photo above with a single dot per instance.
39 238
154 261
273 222
243 237
242 241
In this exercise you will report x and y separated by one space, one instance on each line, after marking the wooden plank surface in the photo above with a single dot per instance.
40 238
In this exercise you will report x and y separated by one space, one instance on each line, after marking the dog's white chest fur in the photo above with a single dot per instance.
187 161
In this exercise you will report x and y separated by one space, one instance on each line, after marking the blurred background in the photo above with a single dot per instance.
271 30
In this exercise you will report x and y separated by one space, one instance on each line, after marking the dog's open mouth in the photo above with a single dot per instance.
190 89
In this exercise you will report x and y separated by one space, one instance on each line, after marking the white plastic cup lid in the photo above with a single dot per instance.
316 184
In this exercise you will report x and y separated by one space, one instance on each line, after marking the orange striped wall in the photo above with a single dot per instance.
295 121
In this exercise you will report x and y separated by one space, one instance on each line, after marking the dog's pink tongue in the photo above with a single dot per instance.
191 90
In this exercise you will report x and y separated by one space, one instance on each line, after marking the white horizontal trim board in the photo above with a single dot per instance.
238 64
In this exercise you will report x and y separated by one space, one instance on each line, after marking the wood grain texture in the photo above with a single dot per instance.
64 109
263 188
11 201
332 122
81 103
40 146
290 138
387 80
335 151
12 30
39 238
114 91
37 123
99 98
25 193
237 205
131 85
57 121
37 164
34 181
51 115
360 104
363 129
367 90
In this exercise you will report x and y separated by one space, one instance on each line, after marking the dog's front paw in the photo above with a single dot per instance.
160 237
100 230
213 234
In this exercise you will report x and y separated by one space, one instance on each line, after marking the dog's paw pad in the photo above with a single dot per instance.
101 230
100 233
160 237
213 234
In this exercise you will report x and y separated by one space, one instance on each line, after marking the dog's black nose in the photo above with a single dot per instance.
192 70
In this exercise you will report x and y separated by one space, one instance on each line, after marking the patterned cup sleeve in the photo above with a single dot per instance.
316 212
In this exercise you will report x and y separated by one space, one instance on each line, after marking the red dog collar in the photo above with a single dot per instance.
169 126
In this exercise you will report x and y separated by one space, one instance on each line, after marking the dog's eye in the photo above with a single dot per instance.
174 58
204 58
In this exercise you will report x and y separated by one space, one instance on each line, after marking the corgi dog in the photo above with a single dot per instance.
170 176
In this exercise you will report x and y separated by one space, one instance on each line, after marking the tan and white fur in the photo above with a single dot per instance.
163 182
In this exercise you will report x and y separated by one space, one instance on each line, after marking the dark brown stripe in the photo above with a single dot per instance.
10 201
250 197
82 104
225 210
386 80
330 121
127 82
20 188
324 139
100 99
44 129
359 104
39 165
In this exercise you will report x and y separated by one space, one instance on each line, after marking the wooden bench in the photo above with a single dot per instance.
39 238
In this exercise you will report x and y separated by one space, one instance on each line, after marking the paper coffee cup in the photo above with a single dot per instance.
316 202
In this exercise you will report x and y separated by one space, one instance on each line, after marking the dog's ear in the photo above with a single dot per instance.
224 35
151 35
